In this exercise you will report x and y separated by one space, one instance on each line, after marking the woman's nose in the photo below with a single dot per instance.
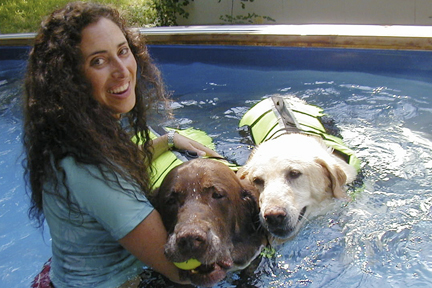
119 69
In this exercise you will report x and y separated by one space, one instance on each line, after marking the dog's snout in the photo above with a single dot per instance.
275 216
192 241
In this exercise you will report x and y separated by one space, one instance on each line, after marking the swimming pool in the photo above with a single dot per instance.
381 100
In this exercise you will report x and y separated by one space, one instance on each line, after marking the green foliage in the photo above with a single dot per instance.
21 16
139 13
168 10
250 18
268 252
18 16
243 5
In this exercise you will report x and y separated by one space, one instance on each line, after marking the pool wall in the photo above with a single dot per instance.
268 48
411 64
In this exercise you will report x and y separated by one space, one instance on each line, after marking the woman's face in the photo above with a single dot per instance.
109 65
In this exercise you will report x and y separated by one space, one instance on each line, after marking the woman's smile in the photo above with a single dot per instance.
120 90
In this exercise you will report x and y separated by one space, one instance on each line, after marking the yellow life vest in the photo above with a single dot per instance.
278 115
267 119
171 158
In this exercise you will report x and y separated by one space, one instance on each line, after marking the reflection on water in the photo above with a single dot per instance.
382 239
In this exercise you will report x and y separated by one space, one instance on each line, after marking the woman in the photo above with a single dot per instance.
88 179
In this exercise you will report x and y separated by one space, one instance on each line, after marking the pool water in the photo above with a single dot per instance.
381 239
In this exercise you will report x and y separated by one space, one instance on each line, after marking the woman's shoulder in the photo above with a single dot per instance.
70 164
73 164
81 176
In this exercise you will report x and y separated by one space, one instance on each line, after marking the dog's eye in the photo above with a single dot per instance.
217 195
258 181
171 199
293 174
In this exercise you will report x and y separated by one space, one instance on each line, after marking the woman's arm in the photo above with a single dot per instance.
146 242
160 145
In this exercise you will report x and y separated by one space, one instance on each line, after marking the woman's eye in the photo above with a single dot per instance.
97 62
124 51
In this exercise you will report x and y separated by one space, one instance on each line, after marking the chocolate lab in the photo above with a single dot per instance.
211 217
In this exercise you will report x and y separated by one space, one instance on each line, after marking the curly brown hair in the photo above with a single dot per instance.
62 118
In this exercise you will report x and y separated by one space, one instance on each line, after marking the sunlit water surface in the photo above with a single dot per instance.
382 239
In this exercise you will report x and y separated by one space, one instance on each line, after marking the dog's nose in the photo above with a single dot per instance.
191 241
275 216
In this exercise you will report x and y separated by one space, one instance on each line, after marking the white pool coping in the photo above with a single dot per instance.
307 29
308 35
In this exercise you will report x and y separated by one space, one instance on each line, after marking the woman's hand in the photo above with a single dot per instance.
160 145
183 143
146 242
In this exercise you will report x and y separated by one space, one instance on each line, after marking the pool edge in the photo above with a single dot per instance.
392 37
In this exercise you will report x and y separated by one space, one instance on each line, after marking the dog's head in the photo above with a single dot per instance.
294 173
209 216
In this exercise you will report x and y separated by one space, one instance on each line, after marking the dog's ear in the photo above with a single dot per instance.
249 209
248 186
337 178
242 172
153 196
242 175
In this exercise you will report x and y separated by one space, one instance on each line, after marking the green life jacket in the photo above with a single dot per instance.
267 119
163 164
279 115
